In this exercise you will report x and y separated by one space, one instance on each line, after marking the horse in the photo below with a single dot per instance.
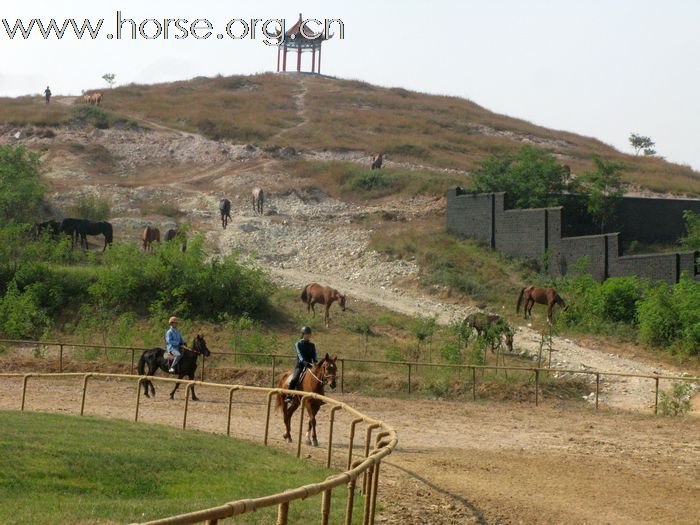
377 161
315 293
172 234
258 200
492 327
540 295
51 226
156 359
225 211
97 99
149 236
85 228
70 226
313 380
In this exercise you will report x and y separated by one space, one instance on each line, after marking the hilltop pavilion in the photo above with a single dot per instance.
308 41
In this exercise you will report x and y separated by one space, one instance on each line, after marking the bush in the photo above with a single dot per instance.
452 354
21 190
619 297
677 402
91 207
21 315
692 225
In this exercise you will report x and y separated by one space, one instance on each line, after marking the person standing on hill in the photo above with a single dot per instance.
47 94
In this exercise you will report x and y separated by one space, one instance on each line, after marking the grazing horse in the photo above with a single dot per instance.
85 228
258 200
377 161
491 327
149 236
225 211
172 234
313 381
51 226
70 226
315 293
157 358
541 295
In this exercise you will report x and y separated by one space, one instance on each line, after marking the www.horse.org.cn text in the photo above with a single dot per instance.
271 31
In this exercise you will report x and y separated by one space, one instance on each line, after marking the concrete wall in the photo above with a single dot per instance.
536 234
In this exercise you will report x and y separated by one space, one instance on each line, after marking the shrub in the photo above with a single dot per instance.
20 314
659 324
91 207
692 225
452 353
619 297
677 402
21 190
93 115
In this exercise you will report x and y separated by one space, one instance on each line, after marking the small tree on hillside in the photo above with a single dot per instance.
640 142
21 190
531 178
692 225
110 78
604 189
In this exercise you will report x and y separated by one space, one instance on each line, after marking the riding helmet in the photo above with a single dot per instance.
305 329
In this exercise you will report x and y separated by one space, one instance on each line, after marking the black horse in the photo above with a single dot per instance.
225 210
69 226
157 358
85 228
51 226
173 234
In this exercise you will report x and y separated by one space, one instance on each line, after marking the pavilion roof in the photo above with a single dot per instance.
296 31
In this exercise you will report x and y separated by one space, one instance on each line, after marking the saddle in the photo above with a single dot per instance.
288 381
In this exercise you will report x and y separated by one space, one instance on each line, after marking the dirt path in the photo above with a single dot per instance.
460 463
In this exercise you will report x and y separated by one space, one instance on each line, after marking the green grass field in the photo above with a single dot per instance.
66 469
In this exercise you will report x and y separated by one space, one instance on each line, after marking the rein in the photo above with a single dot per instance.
323 381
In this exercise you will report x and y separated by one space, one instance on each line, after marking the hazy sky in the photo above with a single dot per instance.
595 67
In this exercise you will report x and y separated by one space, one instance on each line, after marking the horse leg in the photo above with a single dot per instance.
194 397
289 411
314 411
326 315
177 385
310 425
550 308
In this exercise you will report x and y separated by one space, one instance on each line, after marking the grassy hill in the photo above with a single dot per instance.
320 113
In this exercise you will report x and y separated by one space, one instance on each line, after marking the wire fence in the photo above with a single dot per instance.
409 368
362 472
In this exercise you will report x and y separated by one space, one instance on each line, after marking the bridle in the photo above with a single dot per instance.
326 376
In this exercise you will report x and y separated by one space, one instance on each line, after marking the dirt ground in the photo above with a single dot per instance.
461 462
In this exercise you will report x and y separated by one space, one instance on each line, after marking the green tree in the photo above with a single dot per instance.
640 142
692 225
110 79
531 178
21 191
604 189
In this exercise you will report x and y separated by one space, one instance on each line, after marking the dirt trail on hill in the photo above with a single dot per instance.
457 463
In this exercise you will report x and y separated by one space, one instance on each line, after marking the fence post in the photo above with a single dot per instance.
409 378
60 358
301 425
274 366
365 516
352 438
201 372
282 513
82 403
373 493
330 435
133 353
342 376
656 397
267 418
24 390
325 506
138 398
230 401
473 383
187 404
368 438
537 386
350 502
597 389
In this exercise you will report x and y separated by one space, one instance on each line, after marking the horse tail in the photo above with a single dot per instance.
142 364
520 300
304 295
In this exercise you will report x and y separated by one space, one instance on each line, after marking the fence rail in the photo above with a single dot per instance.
410 367
366 467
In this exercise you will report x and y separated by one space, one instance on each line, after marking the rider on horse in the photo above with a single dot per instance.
174 342
306 356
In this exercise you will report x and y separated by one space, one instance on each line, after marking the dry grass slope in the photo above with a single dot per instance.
434 131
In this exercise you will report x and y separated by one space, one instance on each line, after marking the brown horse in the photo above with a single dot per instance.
150 235
490 326
258 200
225 211
313 381
315 293
540 295
377 161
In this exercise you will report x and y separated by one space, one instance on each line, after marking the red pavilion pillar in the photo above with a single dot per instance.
319 59
299 59
313 59
279 50
284 58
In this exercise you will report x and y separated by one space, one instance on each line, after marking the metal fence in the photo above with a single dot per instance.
364 470
409 367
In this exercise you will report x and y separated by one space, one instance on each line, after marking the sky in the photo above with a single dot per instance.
601 68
